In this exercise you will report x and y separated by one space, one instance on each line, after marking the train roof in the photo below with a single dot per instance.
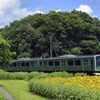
71 57
56 58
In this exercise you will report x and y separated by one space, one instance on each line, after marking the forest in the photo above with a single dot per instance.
72 32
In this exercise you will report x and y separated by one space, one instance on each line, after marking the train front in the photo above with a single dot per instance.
97 65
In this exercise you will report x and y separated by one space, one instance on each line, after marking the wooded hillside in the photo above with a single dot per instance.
73 33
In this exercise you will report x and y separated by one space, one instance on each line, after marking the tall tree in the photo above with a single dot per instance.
5 54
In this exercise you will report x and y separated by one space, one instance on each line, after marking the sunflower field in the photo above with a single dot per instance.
71 88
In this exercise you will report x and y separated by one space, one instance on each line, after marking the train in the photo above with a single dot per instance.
69 63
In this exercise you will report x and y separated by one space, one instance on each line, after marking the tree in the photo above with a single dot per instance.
76 51
5 54
96 22
29 37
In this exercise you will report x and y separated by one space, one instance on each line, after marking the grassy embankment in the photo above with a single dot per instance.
19 90
1 96
17 83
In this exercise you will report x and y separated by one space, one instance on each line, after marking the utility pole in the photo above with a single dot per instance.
50 46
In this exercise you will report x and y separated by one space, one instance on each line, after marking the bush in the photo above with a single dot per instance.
1 71
81 74
33 75
5 75
61 74
21 75
42 75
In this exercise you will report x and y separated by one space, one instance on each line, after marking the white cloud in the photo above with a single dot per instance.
10 10
85 8
58 10
1 13
94 16
39 12
8 6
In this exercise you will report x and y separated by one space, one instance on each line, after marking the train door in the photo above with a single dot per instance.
85 64
63 65
57 65
44 65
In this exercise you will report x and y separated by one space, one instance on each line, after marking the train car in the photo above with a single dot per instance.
69 63
23 64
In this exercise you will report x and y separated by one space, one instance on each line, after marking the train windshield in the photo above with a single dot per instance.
98 62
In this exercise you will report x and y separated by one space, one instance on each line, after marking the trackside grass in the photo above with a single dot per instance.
1 96
36 75
56 85
19 90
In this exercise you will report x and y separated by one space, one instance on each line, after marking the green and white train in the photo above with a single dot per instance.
69 63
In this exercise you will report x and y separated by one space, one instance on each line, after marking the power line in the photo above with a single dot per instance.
52 44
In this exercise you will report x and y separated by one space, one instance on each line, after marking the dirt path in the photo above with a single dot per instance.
6 94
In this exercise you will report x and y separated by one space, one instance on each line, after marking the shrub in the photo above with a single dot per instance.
1 71
61 74
42 75
21 75
33 75
80 74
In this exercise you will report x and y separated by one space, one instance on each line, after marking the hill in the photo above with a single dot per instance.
74 33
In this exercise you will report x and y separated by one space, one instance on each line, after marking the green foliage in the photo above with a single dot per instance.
14 76
5 54
2 96
59 91
76 51
18 75
61 74
35 75
42 75
19 90
1 71
80 74
96 22
23 55
32 34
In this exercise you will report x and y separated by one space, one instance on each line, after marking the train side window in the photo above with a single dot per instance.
56 63
44 63
40 63
27 64
77 62
63 63
86 62
32 63
14 64
23 64
50 63
70 63
18 64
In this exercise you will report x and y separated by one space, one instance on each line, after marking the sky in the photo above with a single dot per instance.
11 10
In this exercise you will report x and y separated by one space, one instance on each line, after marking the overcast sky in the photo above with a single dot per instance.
11 10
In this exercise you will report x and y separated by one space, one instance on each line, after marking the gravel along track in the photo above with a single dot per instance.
6 94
